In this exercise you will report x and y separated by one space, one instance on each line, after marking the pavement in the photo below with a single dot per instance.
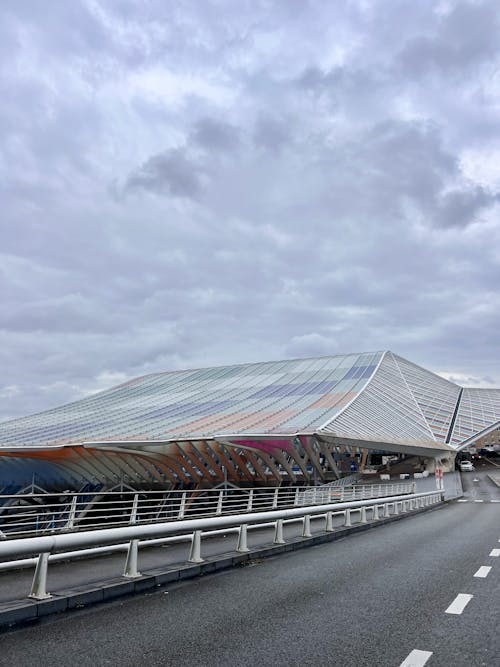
478 485
80 579
377 598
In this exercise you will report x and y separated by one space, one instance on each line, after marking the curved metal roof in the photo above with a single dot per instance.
253 421
375 395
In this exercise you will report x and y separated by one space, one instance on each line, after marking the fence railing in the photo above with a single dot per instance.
322 494
194 529
45 514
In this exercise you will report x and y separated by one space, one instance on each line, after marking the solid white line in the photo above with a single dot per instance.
495 553
459 603
483 571
416 658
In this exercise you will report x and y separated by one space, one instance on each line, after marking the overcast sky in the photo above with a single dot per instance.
198 183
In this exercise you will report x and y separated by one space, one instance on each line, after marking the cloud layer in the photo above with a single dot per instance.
188 184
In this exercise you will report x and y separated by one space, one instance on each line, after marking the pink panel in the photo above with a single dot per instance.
266 445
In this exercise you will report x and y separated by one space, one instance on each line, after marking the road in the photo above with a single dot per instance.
368 600
477 485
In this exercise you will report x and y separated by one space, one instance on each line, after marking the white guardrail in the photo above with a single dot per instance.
193 529
27 515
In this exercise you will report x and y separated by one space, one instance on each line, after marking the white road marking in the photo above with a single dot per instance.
463 501
459 603
494 501
479 501
416 658
483 571
495 553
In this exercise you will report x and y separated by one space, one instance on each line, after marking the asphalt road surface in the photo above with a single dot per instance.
393 595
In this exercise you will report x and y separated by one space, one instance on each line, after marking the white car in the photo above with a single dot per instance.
466 466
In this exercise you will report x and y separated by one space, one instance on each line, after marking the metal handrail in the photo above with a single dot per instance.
83 511
46 545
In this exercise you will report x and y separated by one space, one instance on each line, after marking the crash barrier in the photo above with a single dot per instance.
354 511
41 514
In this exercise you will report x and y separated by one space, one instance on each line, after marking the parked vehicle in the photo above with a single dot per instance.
488 452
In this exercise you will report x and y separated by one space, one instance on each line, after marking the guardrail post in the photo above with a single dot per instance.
275 498
347 521
182 506
387 512
296 499
306 526
362 516
329 522
131 571
133 513
218 511
250 501
278 532
396 508
195 551
71 517
39 585
242 539
375 513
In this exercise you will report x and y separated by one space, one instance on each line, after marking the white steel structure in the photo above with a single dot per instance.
264 423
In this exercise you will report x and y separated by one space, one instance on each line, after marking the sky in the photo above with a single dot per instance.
207 182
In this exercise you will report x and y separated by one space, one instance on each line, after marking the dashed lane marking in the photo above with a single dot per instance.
459 603
479 501
416 658
495 553
463 501
483 571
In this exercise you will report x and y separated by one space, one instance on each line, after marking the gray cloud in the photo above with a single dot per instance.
271 133
168 173
460 208
216 135
320 184
462 39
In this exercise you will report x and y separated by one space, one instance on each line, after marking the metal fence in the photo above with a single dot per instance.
41 514
194 529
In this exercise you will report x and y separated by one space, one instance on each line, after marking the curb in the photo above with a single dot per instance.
32 611
495 478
